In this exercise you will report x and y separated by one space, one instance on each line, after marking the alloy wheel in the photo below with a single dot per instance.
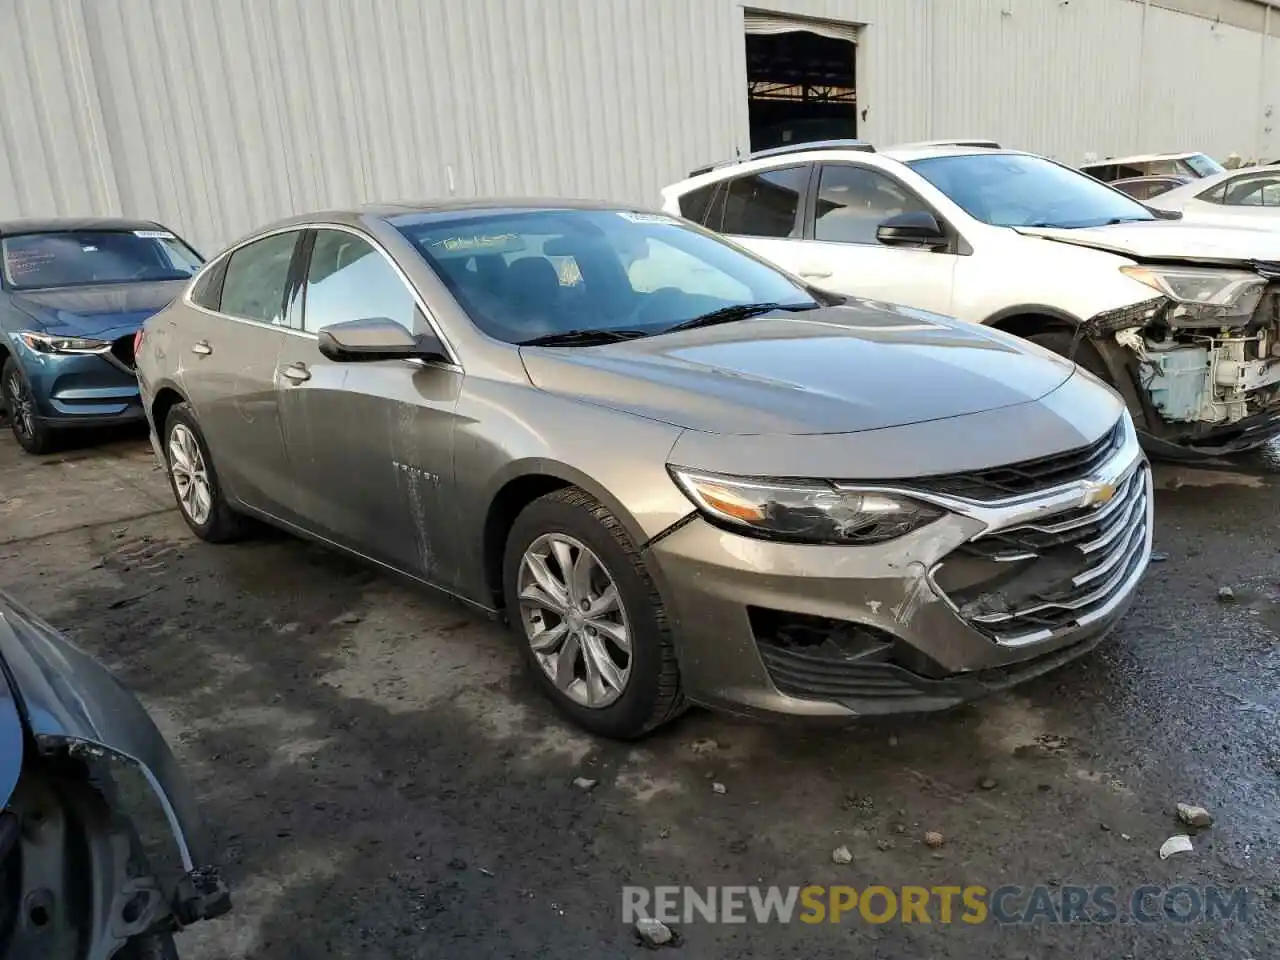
190 475
574 620
22 412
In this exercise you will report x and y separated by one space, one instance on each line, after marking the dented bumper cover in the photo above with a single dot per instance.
994 592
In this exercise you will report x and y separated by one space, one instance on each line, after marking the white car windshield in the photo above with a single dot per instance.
1019 190
529 275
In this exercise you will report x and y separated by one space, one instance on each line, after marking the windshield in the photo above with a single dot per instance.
1204 166
82 257
1016 190
528 275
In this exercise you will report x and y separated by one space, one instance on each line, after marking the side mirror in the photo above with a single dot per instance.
916 228
377 338
1166 214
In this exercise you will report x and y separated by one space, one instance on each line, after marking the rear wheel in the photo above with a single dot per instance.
1065 344
32 434
588 617
200 497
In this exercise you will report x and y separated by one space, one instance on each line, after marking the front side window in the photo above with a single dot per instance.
348 279
255 280
522 275
765 204
85 257
1021 190
854 201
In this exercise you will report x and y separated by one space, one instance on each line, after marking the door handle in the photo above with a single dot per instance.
296 373
202 348
815 273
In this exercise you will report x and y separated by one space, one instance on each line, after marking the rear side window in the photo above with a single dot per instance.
207 292
256 277
695 204
765 204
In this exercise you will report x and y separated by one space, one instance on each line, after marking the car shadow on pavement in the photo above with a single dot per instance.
384 782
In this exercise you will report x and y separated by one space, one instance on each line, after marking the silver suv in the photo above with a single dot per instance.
682 475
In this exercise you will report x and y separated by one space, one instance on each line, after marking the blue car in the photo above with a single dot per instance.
73 295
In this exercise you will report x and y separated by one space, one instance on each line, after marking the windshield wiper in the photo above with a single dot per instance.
584 337
739 311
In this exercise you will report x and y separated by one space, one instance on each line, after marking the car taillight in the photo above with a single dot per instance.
137 342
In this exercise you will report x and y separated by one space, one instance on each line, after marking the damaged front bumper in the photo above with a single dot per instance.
974 602
75 712
1198 382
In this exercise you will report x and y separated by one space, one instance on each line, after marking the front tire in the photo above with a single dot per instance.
32 434
588 617
194 482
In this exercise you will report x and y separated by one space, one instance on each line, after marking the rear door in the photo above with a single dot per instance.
850 203
370 444
227 354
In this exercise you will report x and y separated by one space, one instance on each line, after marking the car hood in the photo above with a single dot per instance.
861 366
92 311
1171 240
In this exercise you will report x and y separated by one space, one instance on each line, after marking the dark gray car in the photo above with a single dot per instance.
681 473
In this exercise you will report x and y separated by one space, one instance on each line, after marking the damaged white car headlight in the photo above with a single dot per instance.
1203 296
803 511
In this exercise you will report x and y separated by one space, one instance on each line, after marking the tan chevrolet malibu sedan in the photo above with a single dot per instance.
682 475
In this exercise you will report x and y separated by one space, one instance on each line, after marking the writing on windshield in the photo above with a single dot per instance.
84 257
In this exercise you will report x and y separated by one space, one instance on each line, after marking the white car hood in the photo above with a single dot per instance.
1171 240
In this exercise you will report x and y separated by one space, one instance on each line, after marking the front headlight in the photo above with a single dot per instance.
1204 296
48 343
803 511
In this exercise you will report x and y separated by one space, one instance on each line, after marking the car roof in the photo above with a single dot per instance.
1141 158
420 210
909 152
68 224
892 155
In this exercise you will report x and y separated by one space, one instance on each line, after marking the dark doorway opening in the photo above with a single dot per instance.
800 87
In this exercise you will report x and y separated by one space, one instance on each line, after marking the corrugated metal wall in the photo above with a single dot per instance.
217 117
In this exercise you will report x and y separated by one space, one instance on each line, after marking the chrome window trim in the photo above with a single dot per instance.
451 364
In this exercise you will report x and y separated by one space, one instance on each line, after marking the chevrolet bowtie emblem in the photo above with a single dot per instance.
1096 492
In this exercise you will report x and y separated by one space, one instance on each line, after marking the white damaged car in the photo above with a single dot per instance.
1182 319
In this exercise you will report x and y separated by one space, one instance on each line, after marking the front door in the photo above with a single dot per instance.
229 351
844 255
371 443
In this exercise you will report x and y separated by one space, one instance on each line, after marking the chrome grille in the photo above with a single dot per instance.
1027 476
1109 545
